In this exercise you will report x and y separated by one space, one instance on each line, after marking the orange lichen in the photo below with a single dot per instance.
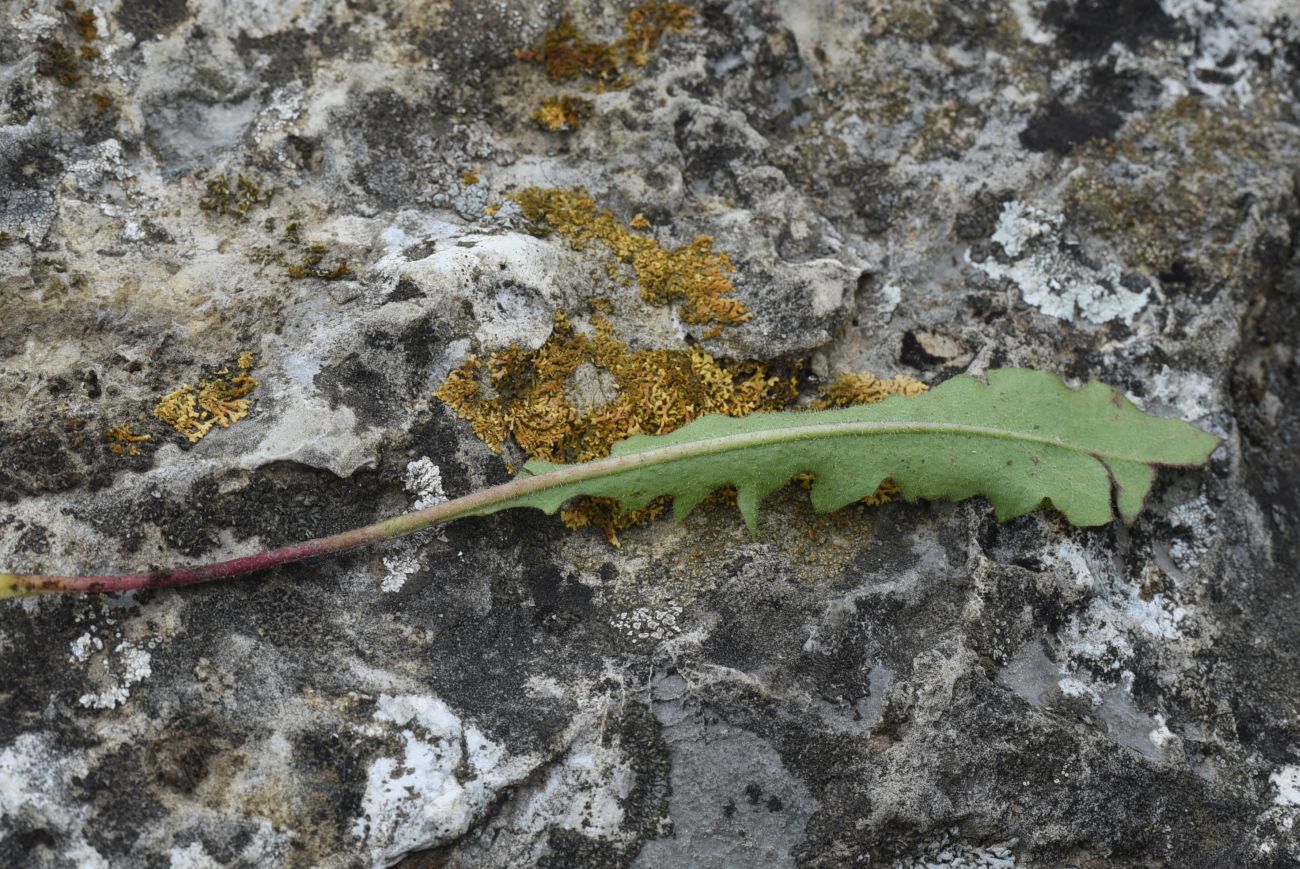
575 396
693 274
561 114
217 401
124 440
566 54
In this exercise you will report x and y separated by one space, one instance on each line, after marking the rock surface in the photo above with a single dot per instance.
1100 190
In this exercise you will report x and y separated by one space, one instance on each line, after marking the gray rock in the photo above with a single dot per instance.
1102 190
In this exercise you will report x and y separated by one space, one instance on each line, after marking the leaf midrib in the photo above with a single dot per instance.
568 474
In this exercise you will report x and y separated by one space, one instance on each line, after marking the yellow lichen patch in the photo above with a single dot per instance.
218 401
561 114
538 398
124 440
469 178
566 54
694 274
851 389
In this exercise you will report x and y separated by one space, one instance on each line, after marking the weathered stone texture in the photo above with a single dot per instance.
1102 190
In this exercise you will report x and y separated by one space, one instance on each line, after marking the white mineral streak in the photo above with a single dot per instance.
1287 781
447 773
36 778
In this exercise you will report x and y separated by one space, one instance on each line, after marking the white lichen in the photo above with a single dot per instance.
1195 522
424 482
193 856
1053 279
84 646
400 566
645 623
1191 393
1160 735
127 666
36 792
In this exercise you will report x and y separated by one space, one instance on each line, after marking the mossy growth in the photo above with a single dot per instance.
220 400
562 113
1162 215
311 262
58 58
310 266
566 54
575 396
694 274
236 200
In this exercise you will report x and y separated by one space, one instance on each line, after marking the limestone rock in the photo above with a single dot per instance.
1102 190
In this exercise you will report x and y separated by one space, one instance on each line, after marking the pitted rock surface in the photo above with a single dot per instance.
1101 190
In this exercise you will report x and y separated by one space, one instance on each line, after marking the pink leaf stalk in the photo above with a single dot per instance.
484 501
522 491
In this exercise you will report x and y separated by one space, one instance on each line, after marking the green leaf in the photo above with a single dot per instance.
1021 440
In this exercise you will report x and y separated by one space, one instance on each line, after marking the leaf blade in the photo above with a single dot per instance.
1020 439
